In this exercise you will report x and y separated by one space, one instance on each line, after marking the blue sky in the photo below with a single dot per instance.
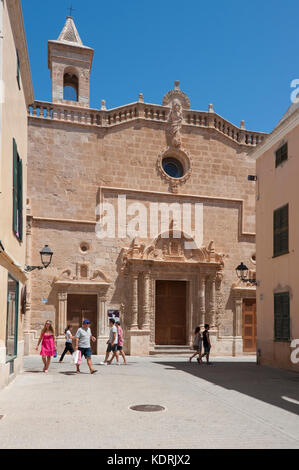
240 56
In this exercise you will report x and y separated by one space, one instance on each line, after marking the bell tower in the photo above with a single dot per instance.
70 64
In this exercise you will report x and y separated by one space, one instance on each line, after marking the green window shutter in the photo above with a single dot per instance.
276 219
15 188
282 316
20 198
277 158
281 231
281 154
284 229
18 71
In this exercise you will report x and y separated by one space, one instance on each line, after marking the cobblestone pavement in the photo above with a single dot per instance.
232 403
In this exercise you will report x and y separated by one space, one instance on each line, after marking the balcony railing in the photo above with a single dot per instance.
144 111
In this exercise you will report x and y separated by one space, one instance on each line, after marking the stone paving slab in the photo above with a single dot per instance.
231 404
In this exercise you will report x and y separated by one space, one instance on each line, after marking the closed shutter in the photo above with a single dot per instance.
282 316
281 231
284 229
15 188
20 198
276 225
18 71
281 155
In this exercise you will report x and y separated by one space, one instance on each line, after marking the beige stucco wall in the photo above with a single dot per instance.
14 125
277 187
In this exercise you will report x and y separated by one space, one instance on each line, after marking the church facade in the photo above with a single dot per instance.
148 210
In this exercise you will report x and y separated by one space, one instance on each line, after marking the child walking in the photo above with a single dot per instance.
68 342
47 338
197 344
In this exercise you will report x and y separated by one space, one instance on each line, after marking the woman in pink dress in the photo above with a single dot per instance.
47 338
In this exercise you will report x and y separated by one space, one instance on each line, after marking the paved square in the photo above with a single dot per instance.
231 404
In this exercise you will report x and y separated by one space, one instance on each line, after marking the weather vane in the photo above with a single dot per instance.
71 9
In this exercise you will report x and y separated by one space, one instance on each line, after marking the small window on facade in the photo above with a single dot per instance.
281 231
18 71
70 87
17 193
281 154
282 316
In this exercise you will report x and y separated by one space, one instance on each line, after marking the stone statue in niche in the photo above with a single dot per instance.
175 124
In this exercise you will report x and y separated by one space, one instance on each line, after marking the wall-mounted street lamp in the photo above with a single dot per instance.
46 257
242 273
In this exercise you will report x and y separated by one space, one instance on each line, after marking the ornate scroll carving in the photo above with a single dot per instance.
171 249
68 275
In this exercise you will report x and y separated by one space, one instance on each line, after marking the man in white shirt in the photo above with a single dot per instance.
83 337
112 342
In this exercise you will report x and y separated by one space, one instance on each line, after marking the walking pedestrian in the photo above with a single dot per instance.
68 342
82 338
47 338
112 343
120 343
197 345
206 343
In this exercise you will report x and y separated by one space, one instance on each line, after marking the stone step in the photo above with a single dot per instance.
175 350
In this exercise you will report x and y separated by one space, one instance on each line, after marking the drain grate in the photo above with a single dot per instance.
147 408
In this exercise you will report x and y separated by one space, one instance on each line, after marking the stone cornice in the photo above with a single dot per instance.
17 25
277 134
62 46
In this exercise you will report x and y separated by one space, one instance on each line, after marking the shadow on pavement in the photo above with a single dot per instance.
73 373
114 364
34 371
274 386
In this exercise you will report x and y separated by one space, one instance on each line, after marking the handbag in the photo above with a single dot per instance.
77 357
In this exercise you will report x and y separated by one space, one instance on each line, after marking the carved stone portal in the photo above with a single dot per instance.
170 247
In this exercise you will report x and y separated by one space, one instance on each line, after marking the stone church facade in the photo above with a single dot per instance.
93 169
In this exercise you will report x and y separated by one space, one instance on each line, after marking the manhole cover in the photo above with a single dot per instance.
147 408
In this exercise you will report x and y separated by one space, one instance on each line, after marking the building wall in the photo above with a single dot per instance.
75 164
277 187
13 125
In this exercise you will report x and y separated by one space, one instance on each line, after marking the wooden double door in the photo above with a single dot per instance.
249 325
79 308
170 318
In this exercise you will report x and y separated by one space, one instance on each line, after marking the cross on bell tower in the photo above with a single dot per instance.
71 9
70 63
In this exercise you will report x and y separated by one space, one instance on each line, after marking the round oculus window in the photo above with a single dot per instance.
84 247
173 167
